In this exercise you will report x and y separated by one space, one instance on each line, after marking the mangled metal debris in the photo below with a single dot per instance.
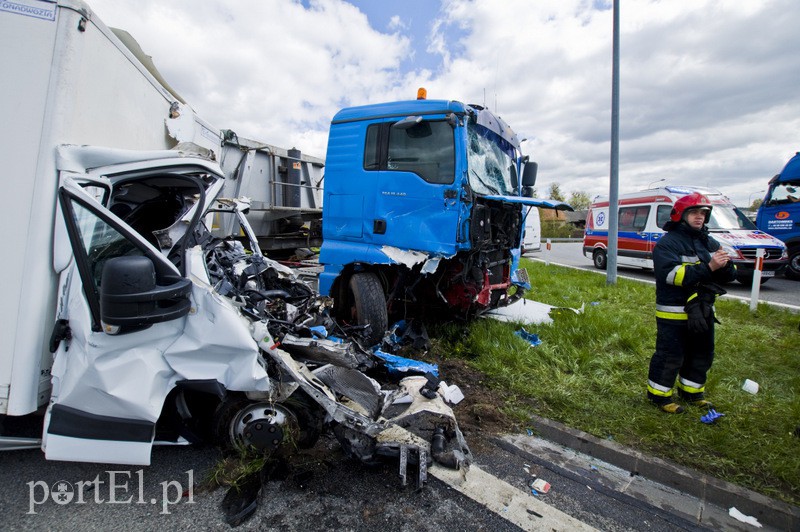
309 355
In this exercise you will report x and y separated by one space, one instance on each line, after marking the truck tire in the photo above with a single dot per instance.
600 259
793 268
369 305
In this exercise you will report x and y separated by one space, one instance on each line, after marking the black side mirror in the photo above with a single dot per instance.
529 178
131 299
529 174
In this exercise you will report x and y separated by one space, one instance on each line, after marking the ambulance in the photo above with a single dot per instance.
642 216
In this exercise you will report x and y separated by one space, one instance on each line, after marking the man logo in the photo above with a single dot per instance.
62 492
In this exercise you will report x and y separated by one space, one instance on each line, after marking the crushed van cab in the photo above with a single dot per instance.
169 330
642 216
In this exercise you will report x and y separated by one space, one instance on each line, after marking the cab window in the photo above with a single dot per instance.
426 149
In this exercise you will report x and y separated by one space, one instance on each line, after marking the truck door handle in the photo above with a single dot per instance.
379 227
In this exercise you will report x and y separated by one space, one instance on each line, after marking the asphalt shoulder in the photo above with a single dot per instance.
675 484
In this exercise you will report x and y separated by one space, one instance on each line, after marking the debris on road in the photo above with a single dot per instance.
540 485
739 516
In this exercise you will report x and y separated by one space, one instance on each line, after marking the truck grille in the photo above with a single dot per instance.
769 253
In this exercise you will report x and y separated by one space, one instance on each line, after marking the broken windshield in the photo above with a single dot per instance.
491 161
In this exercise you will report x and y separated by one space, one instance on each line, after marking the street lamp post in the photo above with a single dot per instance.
657 181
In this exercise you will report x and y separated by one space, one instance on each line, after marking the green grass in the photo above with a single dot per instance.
590 373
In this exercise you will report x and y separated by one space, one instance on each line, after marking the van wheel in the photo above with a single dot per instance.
599 258
793 269
369 305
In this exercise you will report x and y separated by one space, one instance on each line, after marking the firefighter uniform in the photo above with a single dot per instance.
681 260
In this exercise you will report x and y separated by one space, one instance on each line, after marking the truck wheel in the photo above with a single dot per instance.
793 269
369 305
599 258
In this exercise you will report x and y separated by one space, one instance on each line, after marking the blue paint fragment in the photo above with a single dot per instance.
711 417
319 331
531 338
396 364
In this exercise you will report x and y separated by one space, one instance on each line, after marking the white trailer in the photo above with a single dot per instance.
67 79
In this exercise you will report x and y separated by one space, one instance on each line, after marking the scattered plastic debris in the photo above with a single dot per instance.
594 303
451 393
397 364
541 486
523 311
593 468
531 338
750 386
739 516
711 417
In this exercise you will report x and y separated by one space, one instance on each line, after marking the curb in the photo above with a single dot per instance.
768 511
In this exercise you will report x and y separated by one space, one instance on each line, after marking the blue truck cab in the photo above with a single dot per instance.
423 211
779 213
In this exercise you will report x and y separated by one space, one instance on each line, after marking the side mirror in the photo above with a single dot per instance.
529 174
131 300
529 178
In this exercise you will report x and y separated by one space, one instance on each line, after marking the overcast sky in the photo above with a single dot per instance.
710 89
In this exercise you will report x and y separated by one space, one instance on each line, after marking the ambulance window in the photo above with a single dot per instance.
662 215
633 218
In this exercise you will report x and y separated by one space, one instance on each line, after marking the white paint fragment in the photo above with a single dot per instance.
739 516
523 311
451 393
404 256
529 312
430 266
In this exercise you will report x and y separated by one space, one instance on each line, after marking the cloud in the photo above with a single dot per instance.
708 88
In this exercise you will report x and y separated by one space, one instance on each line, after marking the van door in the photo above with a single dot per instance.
634 242
121 305
655 229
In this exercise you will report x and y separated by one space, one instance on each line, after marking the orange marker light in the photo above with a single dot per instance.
422 94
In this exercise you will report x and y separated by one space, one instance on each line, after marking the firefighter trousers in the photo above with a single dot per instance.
679 354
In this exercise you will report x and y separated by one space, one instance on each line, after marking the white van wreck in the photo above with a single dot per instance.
168 330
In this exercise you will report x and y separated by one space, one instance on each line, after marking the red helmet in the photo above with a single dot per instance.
694 200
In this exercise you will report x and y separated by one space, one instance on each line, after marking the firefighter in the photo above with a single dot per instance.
689 268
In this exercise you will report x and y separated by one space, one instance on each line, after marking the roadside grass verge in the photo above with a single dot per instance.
590 372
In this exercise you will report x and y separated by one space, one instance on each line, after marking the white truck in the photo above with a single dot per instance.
138 305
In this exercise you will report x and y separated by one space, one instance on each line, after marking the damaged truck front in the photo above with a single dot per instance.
423 212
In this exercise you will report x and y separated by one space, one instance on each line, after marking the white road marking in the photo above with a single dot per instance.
510 503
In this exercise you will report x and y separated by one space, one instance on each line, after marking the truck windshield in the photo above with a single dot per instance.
491 161
728 217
